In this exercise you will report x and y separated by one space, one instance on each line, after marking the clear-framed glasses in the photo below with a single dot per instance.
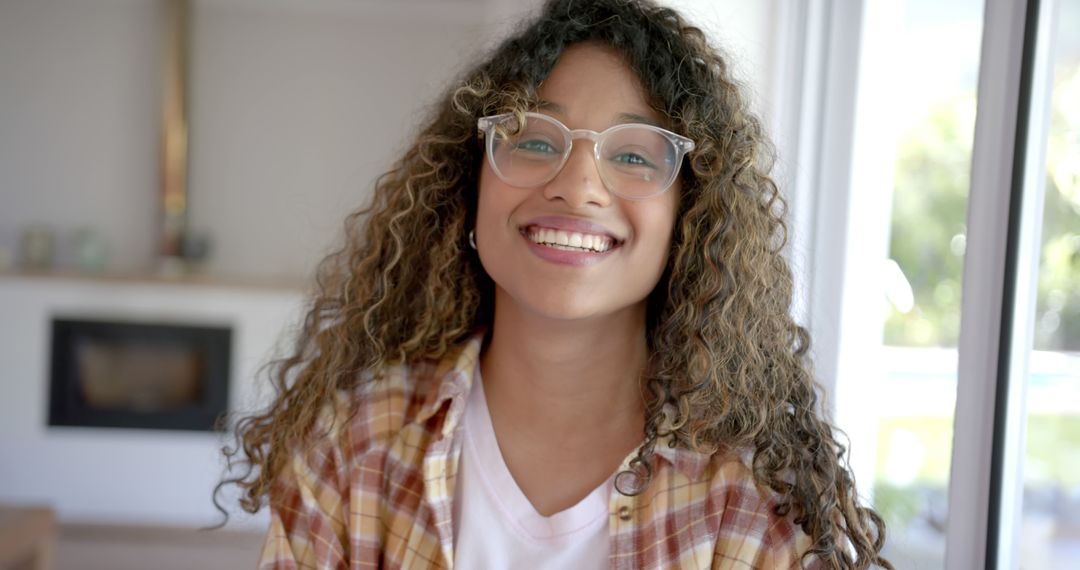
635 161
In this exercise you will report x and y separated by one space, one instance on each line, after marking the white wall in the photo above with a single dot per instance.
296 111
295 108
79 120
121 475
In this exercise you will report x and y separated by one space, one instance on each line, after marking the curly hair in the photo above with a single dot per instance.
727 360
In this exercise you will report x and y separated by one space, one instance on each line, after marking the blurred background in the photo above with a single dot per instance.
171 172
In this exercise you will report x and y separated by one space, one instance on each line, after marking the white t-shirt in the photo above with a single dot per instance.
495 525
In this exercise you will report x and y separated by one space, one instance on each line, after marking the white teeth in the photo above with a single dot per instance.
570 241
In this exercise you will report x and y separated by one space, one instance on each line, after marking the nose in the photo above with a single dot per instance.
579 183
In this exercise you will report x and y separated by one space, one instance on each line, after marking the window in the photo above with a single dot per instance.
1049 524
937 174
915 128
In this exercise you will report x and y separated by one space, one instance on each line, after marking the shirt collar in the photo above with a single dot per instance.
454 376
687 461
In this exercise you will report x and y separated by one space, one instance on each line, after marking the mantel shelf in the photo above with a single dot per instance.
285 284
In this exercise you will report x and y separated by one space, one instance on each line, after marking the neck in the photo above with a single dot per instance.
567 379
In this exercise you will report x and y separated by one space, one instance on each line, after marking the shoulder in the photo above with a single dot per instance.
753 527
398 397
382 403
352 425
710 507
353 486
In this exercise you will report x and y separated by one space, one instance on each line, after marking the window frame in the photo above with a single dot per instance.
816 121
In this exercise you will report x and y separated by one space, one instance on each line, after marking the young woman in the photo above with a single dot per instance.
560 336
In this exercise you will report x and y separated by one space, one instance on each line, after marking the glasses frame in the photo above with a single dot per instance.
682 145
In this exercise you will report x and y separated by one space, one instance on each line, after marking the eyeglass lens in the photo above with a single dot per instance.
635 161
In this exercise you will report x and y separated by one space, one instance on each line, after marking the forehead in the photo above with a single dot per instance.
592 82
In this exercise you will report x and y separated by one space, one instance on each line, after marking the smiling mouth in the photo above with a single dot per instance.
569 241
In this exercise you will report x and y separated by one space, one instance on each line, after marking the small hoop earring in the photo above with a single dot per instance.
472 238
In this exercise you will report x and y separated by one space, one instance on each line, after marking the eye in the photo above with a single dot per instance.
632 159
538 146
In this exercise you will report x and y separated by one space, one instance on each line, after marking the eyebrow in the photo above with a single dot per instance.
621 118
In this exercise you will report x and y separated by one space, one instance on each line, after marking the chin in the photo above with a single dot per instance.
563 309
568 305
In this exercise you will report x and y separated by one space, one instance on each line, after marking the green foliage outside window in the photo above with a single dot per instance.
928 236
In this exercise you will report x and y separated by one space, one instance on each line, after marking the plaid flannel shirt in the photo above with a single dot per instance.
377 490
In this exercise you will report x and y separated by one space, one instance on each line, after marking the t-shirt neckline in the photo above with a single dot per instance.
482 448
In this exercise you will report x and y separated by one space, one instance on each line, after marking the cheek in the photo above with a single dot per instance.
656 221
494 234
491 207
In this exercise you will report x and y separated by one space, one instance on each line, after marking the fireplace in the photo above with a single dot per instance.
144 375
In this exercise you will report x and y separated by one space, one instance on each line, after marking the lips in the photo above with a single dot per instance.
568 240
572 226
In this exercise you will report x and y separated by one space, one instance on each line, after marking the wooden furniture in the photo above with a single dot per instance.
27 535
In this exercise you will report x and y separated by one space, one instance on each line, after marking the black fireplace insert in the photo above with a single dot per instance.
140 375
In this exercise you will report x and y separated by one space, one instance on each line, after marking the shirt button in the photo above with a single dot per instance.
624 513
